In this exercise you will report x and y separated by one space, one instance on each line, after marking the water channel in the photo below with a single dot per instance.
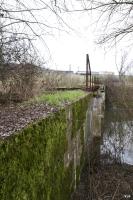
117 135
109 174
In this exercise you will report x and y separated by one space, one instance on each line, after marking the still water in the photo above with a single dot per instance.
109 171
117 137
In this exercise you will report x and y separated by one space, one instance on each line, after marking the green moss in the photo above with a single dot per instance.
32 162
59 98
79 114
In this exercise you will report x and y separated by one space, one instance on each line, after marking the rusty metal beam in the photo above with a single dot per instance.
88 72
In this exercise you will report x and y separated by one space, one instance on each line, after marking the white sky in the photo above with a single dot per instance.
68 50
65 51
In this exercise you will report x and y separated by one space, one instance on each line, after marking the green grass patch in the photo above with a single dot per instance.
59 98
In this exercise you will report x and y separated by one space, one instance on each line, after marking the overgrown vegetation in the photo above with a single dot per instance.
52 79
59 98
24 81
18 82
119 92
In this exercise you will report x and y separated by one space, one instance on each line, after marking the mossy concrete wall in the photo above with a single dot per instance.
94 127
44 161
97 109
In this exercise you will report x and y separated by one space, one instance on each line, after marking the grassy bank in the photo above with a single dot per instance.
59 98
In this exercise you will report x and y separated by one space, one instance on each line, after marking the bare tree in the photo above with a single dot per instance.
30 19
23 22
116 15
117 18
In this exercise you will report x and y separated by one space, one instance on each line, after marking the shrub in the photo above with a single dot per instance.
18 82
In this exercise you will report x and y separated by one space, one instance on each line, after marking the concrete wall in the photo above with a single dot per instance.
45 160
96 117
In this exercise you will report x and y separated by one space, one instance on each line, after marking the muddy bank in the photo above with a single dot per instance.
106 182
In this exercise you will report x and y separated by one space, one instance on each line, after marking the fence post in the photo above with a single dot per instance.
88 71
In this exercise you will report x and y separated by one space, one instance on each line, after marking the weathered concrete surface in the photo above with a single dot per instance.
97 114
91 129
93 126
47 157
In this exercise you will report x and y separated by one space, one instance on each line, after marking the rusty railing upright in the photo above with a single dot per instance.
88 73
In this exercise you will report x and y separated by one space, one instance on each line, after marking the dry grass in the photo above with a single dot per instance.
18 83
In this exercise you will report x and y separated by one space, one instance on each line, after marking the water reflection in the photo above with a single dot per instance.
118 136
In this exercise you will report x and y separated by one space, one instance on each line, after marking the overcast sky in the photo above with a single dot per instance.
68 50
66 37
